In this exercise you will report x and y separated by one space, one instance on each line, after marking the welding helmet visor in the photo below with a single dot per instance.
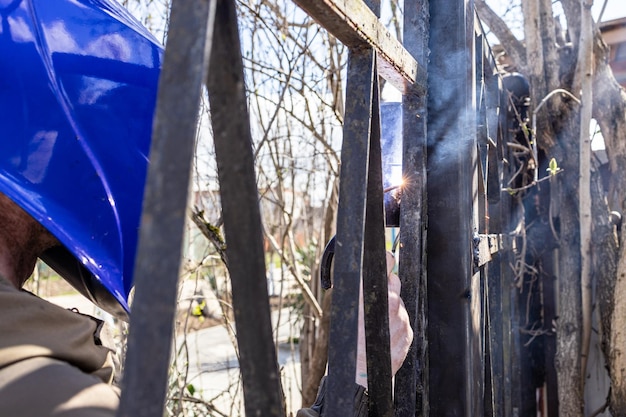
78 82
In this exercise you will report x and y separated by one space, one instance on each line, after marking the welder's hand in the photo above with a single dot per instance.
400 332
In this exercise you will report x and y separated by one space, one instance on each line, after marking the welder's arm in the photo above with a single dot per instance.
400 332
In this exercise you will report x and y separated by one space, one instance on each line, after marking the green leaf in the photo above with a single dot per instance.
191 389
196 311
553 167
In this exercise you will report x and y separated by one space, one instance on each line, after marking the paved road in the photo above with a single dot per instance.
214 369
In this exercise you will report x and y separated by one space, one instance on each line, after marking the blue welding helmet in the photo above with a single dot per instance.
78 83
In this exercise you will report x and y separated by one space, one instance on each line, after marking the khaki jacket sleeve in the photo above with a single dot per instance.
51 364
42 387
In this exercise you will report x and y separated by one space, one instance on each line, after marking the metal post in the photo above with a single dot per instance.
375 288
162 224
454 292
497 224
350 233
242 218
411 383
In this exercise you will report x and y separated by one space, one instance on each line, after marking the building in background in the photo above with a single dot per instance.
614 34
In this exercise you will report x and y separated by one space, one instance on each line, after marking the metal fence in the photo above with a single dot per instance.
452 218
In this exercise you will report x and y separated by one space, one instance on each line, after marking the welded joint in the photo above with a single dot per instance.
485 245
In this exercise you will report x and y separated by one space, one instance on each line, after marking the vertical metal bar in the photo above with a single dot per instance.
375 289
454 299
489 397
506 275
548 279
507 342
242 218
496 225
162 224
411 384
483 164
494 391
376 302
494 92
350 233
494 337
518 367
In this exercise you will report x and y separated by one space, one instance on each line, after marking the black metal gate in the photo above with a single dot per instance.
452 220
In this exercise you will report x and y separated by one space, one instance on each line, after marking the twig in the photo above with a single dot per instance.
534 123
532 184
534 334
211 232
306 290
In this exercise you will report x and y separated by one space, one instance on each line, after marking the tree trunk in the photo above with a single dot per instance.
610 112
583 77
609 109
604 251
568 323
556 135
617 349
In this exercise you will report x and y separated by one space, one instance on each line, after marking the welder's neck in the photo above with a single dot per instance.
22 240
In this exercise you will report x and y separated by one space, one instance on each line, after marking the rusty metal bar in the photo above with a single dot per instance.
242 219
357 26
375 289
498 223
495 337
350 234
163 218
411 384
455 321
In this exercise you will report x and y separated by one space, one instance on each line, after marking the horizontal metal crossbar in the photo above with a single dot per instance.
355 25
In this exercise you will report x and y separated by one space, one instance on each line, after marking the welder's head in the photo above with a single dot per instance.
78 84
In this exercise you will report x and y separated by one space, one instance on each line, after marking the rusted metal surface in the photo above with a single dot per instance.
484 247
498 223
357 26
411 384
350 234
455 299
163 218
375 284
375 288
242 219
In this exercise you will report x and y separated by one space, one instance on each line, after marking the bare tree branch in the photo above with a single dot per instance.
571 8
514 48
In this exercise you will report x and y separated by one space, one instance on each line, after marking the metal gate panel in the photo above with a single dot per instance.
453 306
360 227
